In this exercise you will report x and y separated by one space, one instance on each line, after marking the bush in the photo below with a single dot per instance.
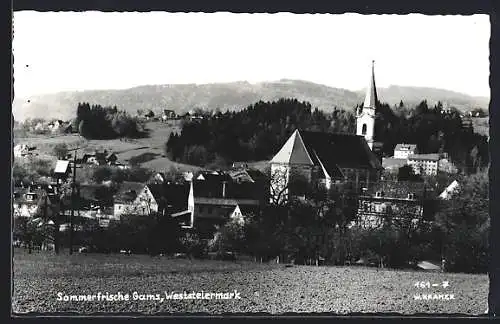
193 245
60 151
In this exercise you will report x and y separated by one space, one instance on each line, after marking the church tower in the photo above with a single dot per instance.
365 116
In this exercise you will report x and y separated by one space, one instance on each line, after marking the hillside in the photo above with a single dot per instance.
232 96
149 150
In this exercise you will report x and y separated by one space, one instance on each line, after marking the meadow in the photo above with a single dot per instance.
264 288
125 149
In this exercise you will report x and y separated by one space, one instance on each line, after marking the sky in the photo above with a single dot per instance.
68 51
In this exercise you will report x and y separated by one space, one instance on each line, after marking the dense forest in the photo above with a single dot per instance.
97 122
257 132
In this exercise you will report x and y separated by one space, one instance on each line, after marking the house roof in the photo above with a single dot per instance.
61 167
399 189
424 157
174 195
340 151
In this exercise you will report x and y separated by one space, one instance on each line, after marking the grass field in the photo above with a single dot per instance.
268 288
124 149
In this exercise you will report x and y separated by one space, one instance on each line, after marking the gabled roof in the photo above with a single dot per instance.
337 151
371 92
61 167
293 151
399 189
174 195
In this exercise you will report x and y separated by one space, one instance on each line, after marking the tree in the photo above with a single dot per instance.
61 151
406 173
464 224
150 114
193 245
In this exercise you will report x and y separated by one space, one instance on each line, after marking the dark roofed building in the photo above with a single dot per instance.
325 158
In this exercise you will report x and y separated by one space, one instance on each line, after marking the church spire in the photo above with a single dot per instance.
371 91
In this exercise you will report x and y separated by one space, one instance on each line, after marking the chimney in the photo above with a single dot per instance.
223 189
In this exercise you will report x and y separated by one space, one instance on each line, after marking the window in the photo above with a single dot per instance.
363 129
209 210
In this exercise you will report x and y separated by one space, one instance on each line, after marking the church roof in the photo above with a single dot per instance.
340 151
371 91
293 152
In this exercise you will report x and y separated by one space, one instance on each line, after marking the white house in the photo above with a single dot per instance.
21 150
134 198
402 151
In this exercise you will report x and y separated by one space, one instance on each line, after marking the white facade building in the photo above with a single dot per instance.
402 151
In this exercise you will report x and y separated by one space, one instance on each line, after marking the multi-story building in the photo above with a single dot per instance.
424 164
402 151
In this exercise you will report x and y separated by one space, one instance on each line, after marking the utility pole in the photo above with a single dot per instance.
73 185
73 201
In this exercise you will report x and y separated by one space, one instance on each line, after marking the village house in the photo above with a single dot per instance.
23 150
62 171
388 201
239 165
218 211
56 126
168 115
134 198
26 199
25 202
90 204
100 158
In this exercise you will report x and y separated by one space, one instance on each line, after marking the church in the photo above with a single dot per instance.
329 158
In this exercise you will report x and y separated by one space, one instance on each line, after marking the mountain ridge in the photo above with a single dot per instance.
230 96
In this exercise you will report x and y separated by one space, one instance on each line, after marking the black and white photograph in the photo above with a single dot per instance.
234 163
